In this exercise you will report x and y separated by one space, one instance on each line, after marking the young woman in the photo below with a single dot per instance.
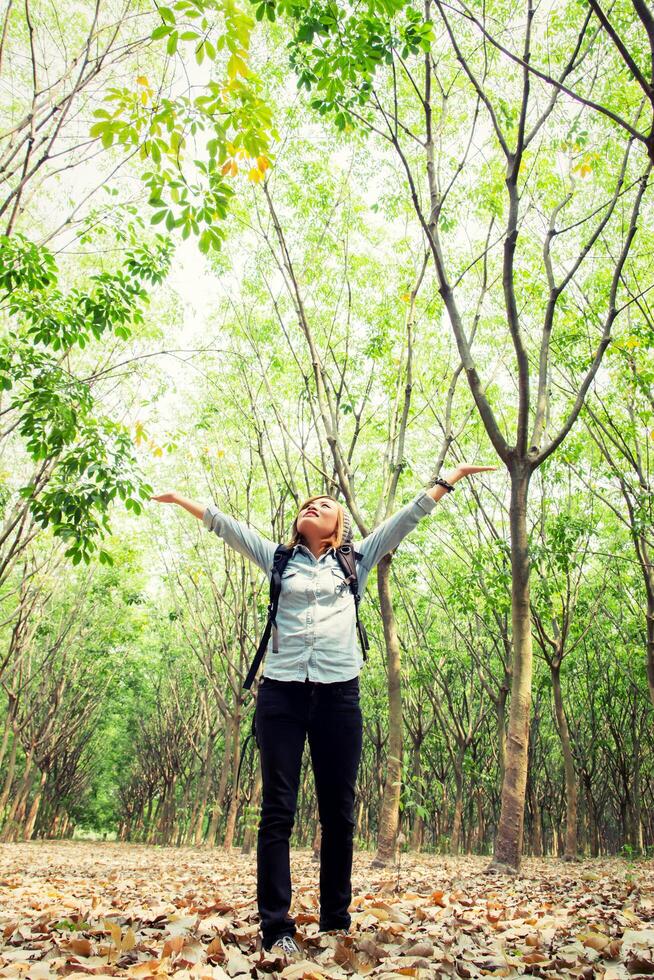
310 688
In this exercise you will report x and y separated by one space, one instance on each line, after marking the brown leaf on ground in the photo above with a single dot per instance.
89 910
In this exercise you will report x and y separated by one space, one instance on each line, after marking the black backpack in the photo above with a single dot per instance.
346 556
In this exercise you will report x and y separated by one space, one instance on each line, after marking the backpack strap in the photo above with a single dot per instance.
280 561
347 557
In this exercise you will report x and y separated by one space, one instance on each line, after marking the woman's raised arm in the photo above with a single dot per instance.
387 535
235 533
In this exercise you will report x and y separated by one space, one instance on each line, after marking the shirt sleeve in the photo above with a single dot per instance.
240 537
387 535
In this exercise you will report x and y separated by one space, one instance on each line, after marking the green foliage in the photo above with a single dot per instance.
189 188
88 458
352 45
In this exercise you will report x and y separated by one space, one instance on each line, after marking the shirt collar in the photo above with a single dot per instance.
303 548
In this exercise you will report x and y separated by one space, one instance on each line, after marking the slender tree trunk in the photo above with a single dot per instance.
250 834
418 823
9 777
34 809
455 841
233 805
508 843
481 825
204 792
220 792
501 732
8 832
536 823
649 583
5 737
592 820
570 852
182 828
389 818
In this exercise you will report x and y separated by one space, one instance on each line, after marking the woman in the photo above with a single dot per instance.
310 688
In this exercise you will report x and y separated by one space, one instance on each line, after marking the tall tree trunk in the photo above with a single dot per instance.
570 853
389 818
508 843
203 798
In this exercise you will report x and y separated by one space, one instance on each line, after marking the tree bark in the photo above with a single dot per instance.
389 818
509 840
233 804
570 852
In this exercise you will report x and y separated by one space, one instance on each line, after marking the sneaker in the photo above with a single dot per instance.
285 946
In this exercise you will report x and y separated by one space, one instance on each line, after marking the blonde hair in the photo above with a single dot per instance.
337 537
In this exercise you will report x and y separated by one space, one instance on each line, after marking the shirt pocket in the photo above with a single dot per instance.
290 582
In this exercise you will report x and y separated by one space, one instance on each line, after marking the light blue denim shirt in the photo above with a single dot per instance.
316 624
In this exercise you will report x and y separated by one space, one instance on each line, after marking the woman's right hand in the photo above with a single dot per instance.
171 497
174 497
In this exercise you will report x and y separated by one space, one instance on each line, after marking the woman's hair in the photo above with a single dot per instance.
336 539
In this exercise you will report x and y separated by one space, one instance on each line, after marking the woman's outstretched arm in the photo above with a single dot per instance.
234 533
387 535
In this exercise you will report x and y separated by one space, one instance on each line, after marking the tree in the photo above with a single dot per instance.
521 145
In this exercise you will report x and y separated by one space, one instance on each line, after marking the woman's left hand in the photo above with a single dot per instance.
467 469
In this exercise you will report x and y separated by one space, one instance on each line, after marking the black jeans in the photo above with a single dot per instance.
286 712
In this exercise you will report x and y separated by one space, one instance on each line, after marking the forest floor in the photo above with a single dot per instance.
79 909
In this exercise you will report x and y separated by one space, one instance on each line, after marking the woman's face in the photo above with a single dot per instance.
318 518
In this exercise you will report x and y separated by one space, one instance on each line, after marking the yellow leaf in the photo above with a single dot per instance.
236 66
234 169
144 98
406 297
114 929
129 940
142 80
380 914
139 433
255 175
262 163
596 940
226 168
